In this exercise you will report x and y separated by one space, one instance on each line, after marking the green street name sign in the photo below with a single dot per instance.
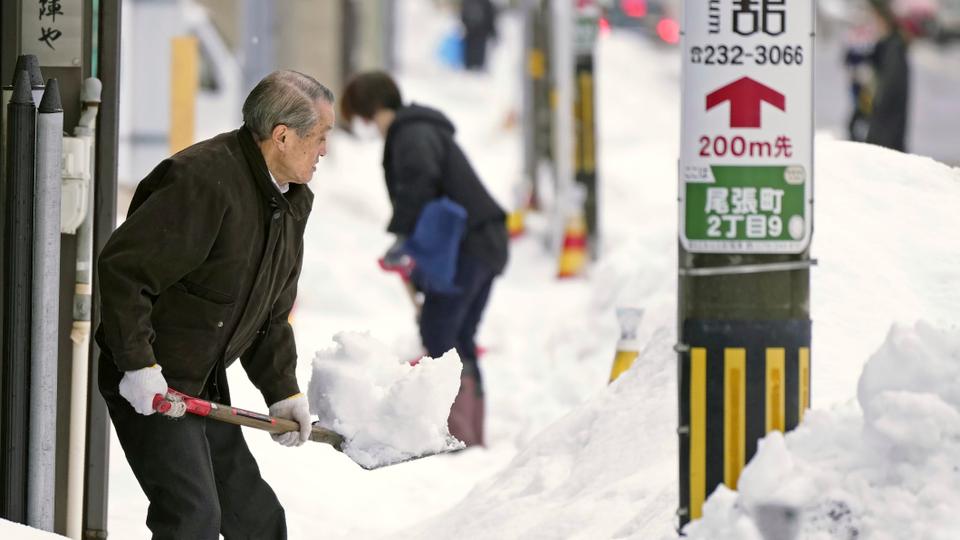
747 209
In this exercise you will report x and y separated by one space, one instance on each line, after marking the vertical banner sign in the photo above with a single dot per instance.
52 30
746 152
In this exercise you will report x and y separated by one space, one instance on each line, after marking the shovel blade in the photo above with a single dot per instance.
364 461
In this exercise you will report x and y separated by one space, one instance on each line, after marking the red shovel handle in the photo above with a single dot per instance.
197 406
241 417
160 404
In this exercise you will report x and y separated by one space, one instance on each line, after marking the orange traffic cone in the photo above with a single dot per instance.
573 251
628 348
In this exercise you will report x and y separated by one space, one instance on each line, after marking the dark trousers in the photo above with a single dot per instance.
199 475
450 321
475 49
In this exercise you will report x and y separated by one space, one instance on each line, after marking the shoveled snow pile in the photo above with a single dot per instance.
891 472
387 410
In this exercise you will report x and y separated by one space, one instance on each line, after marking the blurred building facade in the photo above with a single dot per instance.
238 42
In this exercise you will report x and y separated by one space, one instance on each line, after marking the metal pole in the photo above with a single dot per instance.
41 481
30 64
18 262
531 68
541 73
586 128
105 197
562 68
80 332
389 28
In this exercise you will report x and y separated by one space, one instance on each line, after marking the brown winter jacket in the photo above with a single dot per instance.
205 269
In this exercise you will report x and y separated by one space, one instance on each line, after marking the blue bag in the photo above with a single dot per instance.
450 50
435 245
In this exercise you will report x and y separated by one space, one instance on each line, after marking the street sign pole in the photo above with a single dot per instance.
745 223
585 158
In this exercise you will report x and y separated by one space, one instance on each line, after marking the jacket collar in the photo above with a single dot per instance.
297 200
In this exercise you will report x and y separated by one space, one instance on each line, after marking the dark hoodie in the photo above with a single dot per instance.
422 162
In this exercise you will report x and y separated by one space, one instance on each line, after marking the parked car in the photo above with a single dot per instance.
947 23
658 18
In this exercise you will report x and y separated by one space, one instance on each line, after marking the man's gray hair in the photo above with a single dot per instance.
284 97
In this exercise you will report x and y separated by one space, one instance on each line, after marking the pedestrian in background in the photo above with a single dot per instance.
479 26
204 271
422 163
858 60
888 116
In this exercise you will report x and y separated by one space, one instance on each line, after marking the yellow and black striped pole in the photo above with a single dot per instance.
739 380
585 125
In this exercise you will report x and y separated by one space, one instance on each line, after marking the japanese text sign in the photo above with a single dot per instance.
52 30
746 151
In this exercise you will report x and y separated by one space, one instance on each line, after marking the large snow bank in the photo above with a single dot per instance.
886 231
15 531
891 473
598 472
387 410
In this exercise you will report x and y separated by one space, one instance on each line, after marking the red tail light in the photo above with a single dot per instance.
604 25
669 31
634 8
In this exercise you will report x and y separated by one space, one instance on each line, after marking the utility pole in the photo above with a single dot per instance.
746 210
585 118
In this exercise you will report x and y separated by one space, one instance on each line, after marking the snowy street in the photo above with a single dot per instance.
568 456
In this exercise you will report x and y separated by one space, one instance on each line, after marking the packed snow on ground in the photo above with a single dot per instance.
15 531
387 410
891 472
567 455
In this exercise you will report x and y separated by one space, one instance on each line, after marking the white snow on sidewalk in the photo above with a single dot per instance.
15 531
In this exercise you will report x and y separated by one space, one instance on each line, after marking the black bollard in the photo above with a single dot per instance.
17 281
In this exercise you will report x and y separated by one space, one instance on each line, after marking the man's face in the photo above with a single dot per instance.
298 160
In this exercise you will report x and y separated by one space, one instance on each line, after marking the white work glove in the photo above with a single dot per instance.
141 385
294 408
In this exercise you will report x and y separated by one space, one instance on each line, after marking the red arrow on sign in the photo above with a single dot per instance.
745 96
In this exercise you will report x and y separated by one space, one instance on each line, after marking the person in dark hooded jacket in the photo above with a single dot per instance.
888 121
422 163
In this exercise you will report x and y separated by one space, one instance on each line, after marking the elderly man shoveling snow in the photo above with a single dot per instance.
373 407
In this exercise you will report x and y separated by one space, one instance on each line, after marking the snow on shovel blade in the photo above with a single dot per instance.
452 445
176 404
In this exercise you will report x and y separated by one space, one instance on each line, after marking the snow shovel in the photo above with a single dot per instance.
242 417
